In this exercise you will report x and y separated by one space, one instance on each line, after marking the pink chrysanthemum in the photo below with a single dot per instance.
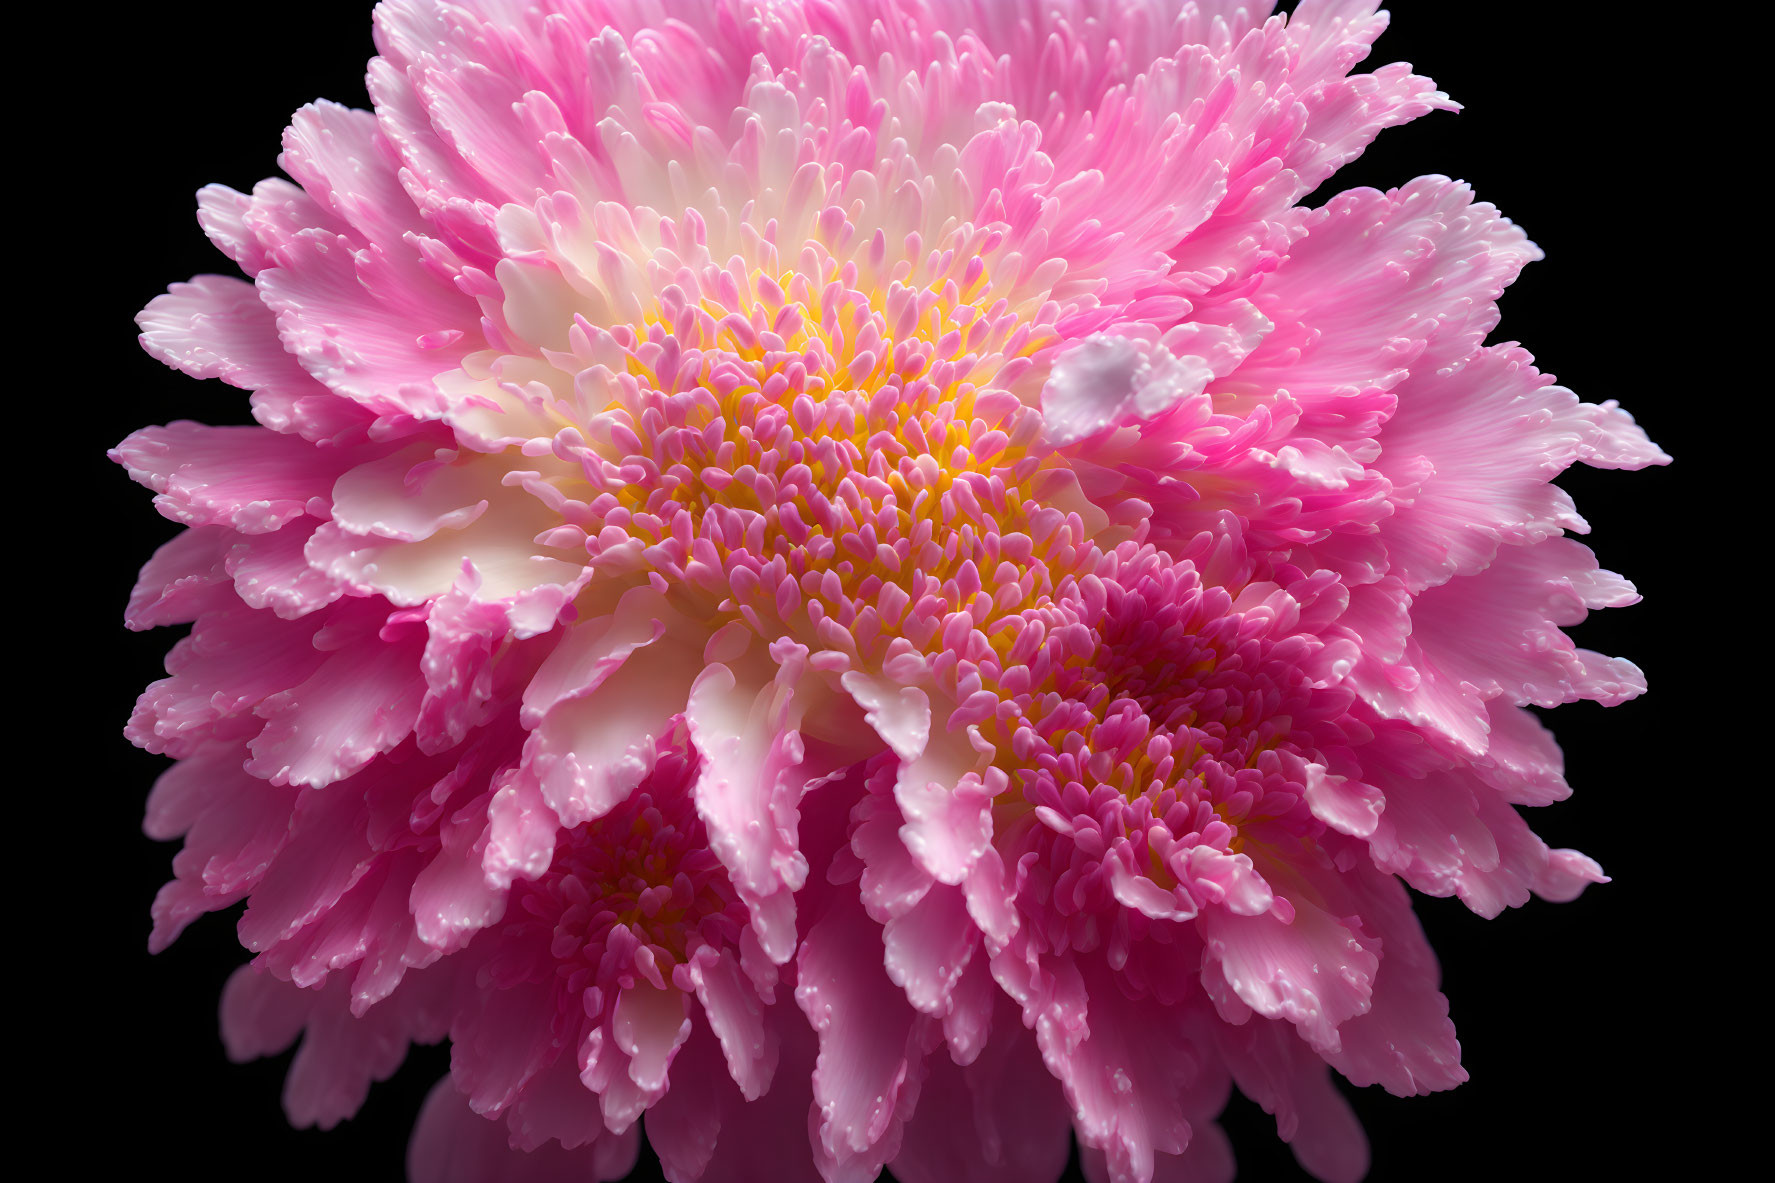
864 582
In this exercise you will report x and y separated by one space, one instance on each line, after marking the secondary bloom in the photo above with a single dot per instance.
860 580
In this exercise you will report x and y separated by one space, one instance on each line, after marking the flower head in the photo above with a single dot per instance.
860 580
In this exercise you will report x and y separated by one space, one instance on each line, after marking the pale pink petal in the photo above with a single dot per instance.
233 826
1498 632
272 571
735 1014
945 804
1382 282
686 1124
749 790
361 320
1405 1042
589 752
1001 1119
340 1057
705 1132
496 1050
326 853
1522 760
223 212
233 660
521 831
556 1108
182 581
891 881
452 1144
261 1016
867 1077
353 708
500 540
650 1026
245 478
1276 1069
217 327
1312 969
1473 450
338 156
451 899
901 715
1125 1073
929 947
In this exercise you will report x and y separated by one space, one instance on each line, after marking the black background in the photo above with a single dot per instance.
1578 1021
